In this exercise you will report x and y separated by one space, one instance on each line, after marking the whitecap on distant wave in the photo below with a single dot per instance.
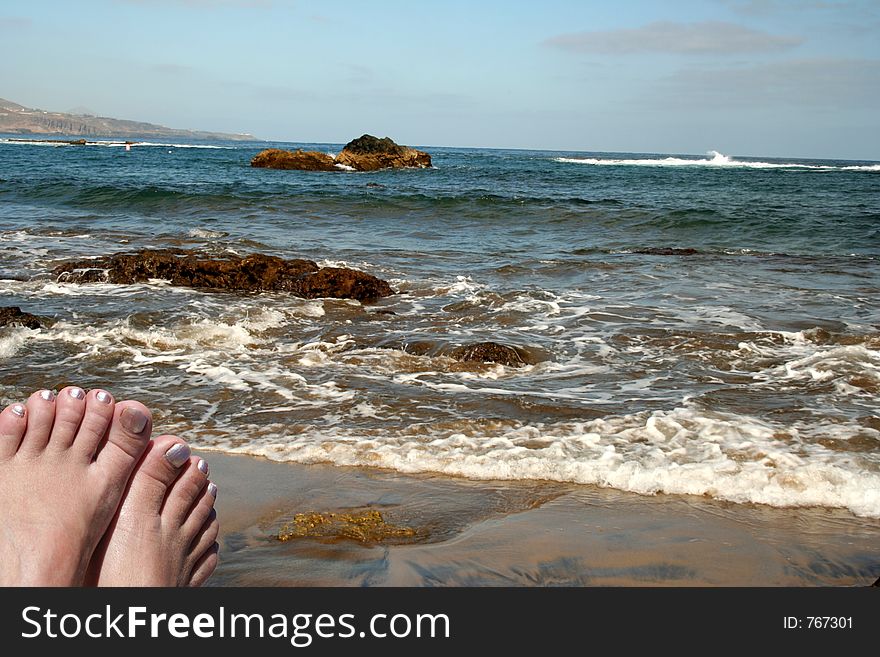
716 159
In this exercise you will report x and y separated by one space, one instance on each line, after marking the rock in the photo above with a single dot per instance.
667 251
13 316
368 153
877 583
275 158
253 273
491 352
341 283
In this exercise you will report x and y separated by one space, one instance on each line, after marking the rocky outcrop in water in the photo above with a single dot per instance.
300 160
253 273
13 316
491 352
366 153
369 153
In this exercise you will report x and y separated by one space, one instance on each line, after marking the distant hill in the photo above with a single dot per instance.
20 120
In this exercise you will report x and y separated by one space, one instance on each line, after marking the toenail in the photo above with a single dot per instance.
178 454
103 397
18 410
133 420
212 488
48 395
77 393
203 466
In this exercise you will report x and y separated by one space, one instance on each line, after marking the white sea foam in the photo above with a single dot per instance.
12 339
205 233
717 159
680 451
109 143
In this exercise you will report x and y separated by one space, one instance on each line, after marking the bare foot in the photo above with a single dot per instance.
64 466
166 529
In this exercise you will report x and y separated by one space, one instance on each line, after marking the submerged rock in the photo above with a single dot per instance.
492 352
666 251
253 273
13 316
369 153
275 158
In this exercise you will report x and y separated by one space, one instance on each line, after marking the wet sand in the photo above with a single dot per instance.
479 533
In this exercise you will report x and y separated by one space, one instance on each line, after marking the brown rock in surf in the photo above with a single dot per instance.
300 160
491 352
253 273
13 316
369 153
366 153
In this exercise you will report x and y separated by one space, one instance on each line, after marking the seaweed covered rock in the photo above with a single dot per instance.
253 273
13 316
369 153
492 352
342 283
276 158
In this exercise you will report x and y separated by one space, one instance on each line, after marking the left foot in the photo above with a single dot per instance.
166 529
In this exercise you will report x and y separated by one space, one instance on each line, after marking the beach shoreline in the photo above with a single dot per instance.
504 533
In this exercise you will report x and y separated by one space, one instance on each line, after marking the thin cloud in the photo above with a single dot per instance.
706 38
12 23
831 84
763 7
204 4
171 69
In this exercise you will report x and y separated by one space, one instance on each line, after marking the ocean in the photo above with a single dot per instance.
699 325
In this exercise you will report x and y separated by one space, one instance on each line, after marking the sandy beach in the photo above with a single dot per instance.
491 533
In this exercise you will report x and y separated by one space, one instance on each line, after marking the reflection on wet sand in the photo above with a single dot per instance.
516 534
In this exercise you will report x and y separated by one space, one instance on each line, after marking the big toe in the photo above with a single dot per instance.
157 471
126 440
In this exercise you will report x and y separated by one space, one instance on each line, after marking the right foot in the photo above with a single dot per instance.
166 529
64 466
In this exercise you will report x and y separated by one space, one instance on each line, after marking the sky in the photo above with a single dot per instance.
778 78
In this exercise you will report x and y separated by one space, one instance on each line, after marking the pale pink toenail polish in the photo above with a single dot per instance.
18 410
103 397
48 395
212 488
77 393
133 420
203 466
178 454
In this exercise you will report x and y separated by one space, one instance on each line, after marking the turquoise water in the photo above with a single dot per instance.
701 324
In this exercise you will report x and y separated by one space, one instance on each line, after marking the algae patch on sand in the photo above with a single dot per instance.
364 526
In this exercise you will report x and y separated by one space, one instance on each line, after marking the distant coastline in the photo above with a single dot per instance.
20 120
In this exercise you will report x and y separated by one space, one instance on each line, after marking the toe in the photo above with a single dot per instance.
13 423
98 413
185 496
201 511
40 417
70 407
126 441
206 537
156 472
204 541
205 566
